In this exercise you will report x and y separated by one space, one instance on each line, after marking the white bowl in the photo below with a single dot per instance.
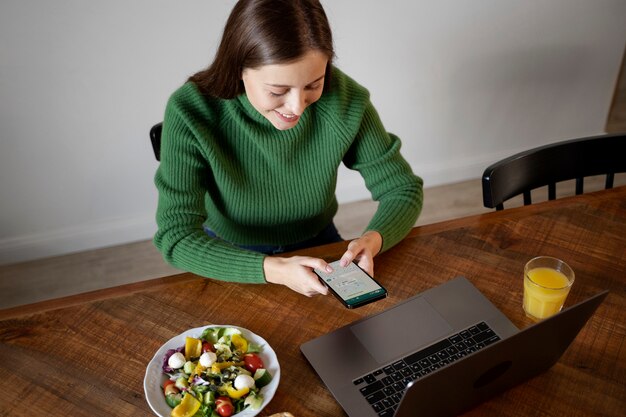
154 379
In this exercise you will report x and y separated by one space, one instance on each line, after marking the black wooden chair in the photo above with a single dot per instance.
550 164
155 138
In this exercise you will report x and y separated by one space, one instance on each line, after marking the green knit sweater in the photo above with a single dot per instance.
225 166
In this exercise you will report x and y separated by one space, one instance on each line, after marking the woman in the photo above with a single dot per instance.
250 152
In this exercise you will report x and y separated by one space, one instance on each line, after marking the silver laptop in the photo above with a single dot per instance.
406 360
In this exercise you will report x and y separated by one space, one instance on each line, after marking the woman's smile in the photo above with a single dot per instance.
288 118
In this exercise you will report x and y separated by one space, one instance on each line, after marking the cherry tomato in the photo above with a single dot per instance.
252 362
224 406
222 399
167 384
207 347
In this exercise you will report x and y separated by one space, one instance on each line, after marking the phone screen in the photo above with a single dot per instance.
353 286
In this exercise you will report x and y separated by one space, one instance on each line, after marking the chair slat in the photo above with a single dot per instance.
579 185
552 191
609 180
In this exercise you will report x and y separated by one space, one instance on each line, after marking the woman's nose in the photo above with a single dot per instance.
297 103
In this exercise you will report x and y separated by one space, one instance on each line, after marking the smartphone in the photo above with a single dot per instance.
351 285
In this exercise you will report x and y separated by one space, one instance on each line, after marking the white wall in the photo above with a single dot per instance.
463 83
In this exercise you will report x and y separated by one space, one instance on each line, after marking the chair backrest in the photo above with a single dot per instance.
155 139
550 164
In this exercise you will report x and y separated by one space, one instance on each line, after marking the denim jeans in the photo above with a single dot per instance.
328 235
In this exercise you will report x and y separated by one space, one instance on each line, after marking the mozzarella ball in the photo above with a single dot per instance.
207 359
176 361
244 381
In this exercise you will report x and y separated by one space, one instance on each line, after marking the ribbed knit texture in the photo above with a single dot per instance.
226 166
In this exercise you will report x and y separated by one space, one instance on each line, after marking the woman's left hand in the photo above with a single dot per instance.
363 250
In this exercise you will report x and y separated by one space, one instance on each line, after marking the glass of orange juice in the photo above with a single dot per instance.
547 282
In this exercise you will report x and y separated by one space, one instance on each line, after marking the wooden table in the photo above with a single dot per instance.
86 355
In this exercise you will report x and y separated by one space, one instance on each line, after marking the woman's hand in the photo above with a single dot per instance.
296 273
363 250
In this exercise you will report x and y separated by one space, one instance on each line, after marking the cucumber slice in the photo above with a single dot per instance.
262 377
253 348
209 398
181 383
254 401
188 367
173 399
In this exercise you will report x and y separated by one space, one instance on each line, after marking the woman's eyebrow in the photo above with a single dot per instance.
289 86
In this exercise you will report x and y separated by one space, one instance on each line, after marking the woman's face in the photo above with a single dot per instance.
281 92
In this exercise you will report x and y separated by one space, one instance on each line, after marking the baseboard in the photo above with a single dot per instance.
76 239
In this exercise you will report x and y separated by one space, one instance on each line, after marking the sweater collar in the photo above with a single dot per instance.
251 112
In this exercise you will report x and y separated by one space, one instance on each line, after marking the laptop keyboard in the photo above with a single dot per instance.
383 388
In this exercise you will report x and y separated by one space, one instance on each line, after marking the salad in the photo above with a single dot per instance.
216 375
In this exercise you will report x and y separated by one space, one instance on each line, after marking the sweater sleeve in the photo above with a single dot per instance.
180 180
376 155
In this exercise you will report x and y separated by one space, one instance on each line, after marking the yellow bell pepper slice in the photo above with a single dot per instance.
236 394
193 348
197 371
239 342
217 367
187 407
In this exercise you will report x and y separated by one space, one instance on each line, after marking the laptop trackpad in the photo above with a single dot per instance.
401 330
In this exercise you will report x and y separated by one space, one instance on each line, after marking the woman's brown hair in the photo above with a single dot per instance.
264 32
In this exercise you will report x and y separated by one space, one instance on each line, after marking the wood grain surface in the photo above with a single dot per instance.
86 355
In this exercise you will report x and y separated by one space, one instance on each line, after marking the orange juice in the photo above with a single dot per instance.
545 290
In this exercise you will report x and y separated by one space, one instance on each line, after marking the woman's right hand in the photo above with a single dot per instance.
296 273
